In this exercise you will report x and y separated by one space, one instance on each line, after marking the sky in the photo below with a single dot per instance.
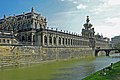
71 14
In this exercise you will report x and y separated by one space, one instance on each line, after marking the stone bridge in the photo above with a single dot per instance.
107 51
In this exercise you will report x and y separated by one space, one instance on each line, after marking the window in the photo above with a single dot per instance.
71 42
63 41
35 25
66 41
45 39
8 41
59 41
29 38
3 40
23 38
50 39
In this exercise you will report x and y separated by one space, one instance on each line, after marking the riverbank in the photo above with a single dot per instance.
108 74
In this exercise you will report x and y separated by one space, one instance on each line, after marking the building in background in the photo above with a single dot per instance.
115 42
31 29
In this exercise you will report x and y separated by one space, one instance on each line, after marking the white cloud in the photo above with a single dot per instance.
81 6
113 21
96 10
113 2
107 31
62 0
105 14
75 2
99 8
105 5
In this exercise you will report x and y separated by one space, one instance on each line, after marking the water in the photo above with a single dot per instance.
58 70
84 68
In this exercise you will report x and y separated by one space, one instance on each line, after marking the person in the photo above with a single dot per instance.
103 73
111 65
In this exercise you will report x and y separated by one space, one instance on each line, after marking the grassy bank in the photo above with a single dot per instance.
113 74
43 71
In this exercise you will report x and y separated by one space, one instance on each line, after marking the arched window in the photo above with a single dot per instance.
59 41
8 41
29 38
23 38
45 39
63 41
66 41
54 40
50 39
71 42
3 40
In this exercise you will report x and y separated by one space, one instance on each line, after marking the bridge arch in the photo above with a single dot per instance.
107 51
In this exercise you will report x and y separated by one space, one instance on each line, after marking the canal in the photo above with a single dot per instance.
75 69
84 68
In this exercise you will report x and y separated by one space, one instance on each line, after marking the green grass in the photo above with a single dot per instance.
114 74
43 71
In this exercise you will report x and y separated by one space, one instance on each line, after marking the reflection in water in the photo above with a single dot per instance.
83 68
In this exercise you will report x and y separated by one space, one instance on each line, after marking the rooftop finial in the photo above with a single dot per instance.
4 16
87 19
32 10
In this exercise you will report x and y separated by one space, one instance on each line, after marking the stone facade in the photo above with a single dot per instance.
24 26
31 29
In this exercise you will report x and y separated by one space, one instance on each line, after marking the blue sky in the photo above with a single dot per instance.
70 14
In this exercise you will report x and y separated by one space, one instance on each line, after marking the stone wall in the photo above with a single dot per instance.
65 53
27 55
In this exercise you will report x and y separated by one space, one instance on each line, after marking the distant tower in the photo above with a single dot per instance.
88 31
32 9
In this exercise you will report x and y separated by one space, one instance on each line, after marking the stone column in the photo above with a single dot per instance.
31 38
27 37
42 39
70 41
62 41
52 40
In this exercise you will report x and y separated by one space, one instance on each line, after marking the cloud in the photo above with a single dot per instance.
75 2
96 10
113 2
105 14
81 6
107 31
114 21
99 8
105 5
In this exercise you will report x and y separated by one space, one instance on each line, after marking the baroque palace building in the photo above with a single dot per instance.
31 29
